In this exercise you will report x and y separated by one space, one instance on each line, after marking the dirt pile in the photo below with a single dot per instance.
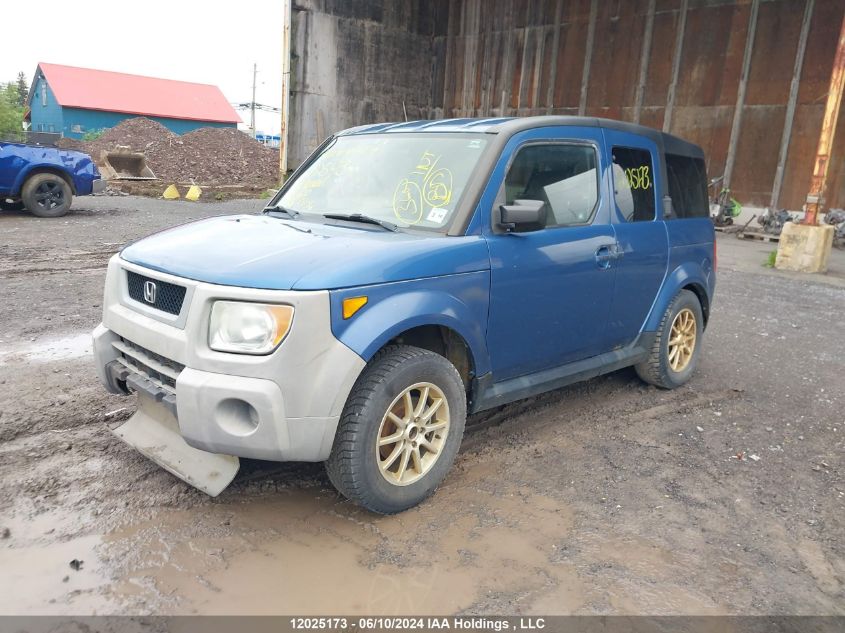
207 156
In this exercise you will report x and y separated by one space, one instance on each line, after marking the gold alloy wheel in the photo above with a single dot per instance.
682 340
412 433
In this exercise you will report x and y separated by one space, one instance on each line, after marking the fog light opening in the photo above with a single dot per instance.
236 417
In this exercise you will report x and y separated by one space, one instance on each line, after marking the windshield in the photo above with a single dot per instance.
410 180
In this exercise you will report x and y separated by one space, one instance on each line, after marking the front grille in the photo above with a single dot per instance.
167 297
161 371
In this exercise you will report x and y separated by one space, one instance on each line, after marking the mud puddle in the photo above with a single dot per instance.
306 551
53 349
268 556
51 577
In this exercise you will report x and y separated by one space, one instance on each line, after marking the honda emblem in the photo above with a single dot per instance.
150 292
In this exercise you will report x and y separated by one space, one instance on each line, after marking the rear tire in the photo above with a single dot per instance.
674 354
400 430
47 195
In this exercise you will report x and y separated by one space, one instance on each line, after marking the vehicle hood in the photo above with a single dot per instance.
255 251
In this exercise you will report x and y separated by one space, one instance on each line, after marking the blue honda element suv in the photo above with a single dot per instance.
406 275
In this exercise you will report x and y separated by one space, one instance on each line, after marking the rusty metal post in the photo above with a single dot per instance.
471 23
818 184
550 95
644 55
736 125
588 57
285 114
449 54
676 66
789 117
539 54
507 65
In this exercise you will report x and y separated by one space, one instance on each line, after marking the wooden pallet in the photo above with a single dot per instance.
757 235
730 228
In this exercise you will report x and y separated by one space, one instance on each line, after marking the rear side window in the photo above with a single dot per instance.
688 186
561 175
633 183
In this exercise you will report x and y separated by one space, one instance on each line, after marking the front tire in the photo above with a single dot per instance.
46 195
400 430
674 354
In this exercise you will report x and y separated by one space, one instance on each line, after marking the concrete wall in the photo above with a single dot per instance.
355 61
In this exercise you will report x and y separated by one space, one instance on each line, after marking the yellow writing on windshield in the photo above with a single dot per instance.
428 185
408 201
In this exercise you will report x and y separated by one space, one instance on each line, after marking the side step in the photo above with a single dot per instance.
154 432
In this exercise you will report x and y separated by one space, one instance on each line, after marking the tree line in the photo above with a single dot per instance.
13 98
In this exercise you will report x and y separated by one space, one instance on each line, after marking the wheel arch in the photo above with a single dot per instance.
442 340
430 319
685 277
43 169
703 299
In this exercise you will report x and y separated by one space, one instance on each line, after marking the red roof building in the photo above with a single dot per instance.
72 101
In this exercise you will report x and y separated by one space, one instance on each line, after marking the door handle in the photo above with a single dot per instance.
606 253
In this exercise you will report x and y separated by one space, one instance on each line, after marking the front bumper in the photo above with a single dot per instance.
282 407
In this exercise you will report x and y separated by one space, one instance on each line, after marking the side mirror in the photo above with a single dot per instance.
523 216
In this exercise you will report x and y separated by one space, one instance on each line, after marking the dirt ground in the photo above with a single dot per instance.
609 497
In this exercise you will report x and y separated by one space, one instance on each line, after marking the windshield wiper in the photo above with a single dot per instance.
291 213
360 217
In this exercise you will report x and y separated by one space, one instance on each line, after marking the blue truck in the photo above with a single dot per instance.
43 180
406 275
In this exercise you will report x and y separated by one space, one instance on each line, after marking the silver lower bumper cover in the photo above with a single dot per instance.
154 432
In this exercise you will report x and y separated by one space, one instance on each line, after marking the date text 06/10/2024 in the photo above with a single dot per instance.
418 623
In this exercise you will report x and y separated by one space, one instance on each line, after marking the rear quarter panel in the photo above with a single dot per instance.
691 243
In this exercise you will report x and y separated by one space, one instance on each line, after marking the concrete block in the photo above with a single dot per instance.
804 248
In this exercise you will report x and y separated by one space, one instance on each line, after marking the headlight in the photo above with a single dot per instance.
248 328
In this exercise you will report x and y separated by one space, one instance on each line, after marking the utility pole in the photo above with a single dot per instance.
805 247
285 114
252 105
818 185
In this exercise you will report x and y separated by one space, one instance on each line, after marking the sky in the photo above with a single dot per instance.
189 40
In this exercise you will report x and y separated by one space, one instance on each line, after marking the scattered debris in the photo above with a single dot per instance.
753 457
76 564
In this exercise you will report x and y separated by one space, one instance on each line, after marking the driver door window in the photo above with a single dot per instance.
563 176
